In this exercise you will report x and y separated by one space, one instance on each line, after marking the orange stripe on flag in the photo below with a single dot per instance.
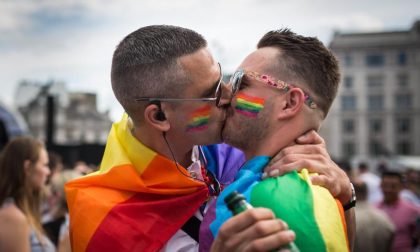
82 227
252 99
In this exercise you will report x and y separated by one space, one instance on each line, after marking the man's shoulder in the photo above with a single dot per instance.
409 206
371 213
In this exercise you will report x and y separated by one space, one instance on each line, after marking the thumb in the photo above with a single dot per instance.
310 137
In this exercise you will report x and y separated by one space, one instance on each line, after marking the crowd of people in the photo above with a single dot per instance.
33 208
388 209
164 174
34 204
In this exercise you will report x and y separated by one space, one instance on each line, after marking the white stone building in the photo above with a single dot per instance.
377 108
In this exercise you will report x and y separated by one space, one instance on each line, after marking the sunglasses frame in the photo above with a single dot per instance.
237 76
217 93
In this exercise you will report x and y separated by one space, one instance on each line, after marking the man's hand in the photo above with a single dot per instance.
310 152
253 230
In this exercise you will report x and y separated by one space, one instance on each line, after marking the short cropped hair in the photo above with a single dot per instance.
306 59
145 63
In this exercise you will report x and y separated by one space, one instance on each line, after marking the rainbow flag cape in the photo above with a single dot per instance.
135 202
310 211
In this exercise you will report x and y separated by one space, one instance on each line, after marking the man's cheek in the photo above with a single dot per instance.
249 106
199 119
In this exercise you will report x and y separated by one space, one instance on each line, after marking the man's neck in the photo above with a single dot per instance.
391 202
273 143
280 137
155 140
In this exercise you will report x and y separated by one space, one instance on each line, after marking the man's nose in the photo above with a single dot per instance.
226 95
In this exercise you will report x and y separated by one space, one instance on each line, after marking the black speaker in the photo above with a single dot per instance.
160 116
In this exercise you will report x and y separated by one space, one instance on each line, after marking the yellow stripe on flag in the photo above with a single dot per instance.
123 148
327 212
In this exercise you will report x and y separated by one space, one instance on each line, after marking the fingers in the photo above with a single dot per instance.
253 230
309 143
320 180
244 220
326 182
265 227
316 163
311 153
271 242
311 137
305 149
287 154
329 176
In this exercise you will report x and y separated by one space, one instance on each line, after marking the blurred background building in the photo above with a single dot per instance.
377 109
75 116
68 122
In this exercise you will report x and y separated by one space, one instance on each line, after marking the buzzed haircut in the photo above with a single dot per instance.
306 60
145 63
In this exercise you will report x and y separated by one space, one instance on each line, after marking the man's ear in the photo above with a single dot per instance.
294 100
155 116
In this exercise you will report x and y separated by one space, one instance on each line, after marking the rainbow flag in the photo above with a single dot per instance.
248 105
135 202
310 211
199 119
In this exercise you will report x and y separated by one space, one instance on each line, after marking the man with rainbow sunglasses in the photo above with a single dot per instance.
282 90
154 177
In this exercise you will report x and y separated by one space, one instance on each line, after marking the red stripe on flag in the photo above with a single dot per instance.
252 99
145 222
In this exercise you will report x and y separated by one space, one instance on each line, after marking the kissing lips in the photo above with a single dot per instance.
228 116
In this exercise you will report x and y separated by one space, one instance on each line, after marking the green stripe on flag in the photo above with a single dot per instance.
291 199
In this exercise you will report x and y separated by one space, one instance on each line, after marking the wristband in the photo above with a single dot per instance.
352 202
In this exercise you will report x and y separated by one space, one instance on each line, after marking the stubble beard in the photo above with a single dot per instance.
245 134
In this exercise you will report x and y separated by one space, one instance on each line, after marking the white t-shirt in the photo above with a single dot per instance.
373 183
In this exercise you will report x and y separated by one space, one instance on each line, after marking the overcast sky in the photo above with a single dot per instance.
73 40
